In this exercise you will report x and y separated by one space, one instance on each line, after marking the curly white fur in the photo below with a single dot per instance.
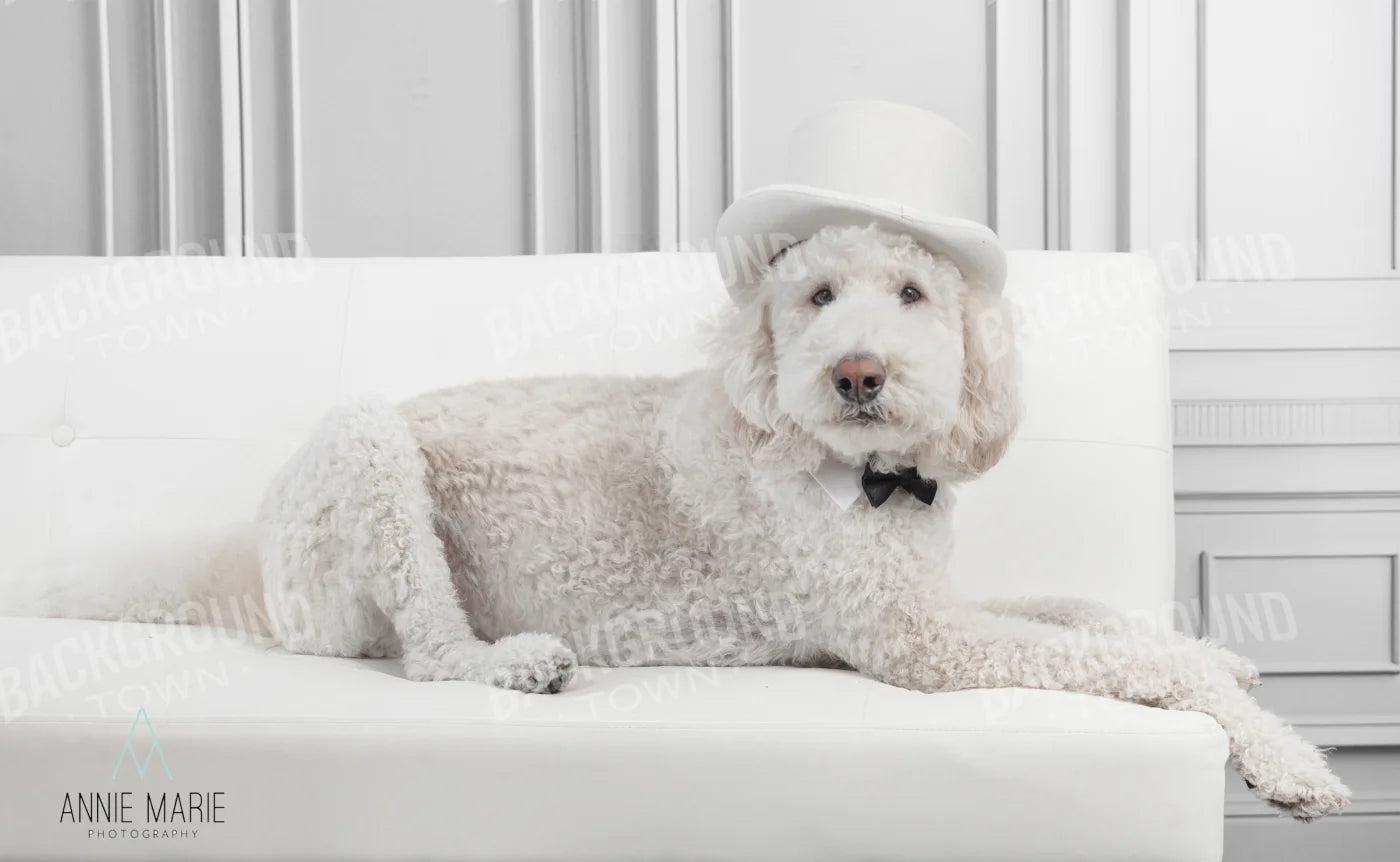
502 532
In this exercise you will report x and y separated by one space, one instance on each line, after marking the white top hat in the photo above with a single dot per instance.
858 163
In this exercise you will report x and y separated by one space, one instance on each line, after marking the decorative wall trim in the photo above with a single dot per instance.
245 125
294 95
583 123
600 107
1248 806
1268 502
1057 126
162 39
230 127
729 27
682 114
534 126
1165 210
1016 123
1349 731
703 121
1133 118
1286 423
104 67
668 110
1392 665
1198 133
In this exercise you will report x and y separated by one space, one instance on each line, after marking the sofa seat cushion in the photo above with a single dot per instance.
278 756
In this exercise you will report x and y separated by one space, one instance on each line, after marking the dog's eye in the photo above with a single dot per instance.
823 296
910 294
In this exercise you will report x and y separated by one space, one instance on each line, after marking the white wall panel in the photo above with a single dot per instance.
790 57
1278 374
701 110
50 135
414 131
1296 136
550 37
622 110
1318 612
267 136
1090 145
1310 594
435 127
1017 116
198 156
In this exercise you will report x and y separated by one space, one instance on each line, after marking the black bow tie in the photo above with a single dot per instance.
879 486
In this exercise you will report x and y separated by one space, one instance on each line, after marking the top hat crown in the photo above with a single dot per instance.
901 168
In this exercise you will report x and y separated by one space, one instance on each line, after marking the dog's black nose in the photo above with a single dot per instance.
859 378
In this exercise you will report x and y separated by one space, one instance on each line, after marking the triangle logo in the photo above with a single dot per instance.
153 750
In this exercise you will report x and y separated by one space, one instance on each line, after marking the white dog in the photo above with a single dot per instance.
503 532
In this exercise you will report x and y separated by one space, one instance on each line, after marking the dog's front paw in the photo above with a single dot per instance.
1292 776
532 663
1308 799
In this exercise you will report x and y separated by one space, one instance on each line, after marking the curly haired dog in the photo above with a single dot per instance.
504 532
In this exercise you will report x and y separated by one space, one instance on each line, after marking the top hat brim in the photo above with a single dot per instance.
760 224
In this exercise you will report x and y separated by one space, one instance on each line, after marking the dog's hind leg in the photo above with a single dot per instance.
351 560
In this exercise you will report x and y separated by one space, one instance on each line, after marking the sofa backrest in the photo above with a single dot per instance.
156 392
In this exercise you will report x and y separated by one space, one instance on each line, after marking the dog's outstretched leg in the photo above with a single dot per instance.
351 561
927 643
1093 616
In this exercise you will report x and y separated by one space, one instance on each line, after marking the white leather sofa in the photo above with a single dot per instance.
146 397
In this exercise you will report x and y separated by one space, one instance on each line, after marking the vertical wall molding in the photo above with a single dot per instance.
682 113
1057 160
245 124
668 170
1395 135
729 63
230 128
1084 148
534 126
1056 129
162 17
1016 123
1199 221
602 131
104 72
1135 117
298 166
702 123
693 60
583 151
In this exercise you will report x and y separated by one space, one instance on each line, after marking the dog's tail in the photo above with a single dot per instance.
210 578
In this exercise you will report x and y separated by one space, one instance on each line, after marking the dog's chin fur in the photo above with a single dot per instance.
855 441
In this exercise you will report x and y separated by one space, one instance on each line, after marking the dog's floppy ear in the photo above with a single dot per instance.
989 408
744 347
